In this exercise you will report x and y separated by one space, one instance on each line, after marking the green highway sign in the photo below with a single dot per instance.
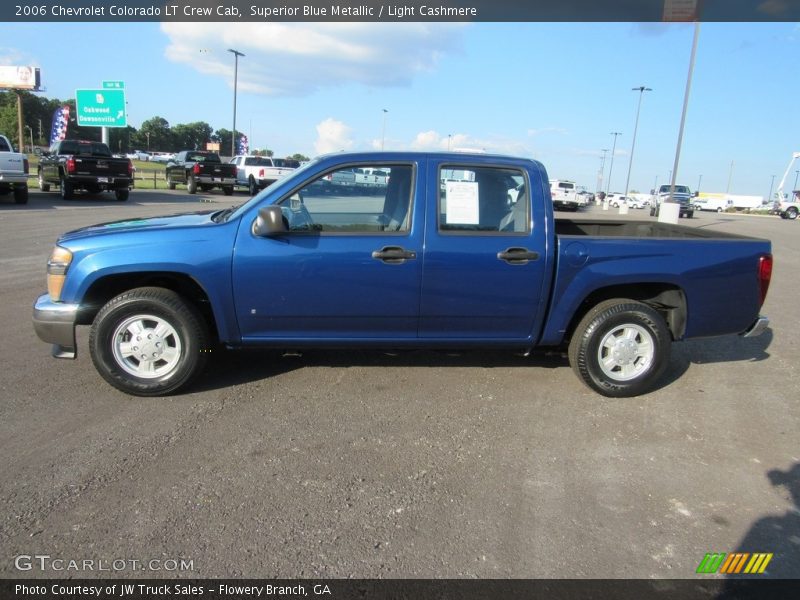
101 108
114 85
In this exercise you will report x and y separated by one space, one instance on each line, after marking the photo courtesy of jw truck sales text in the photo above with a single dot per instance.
357 259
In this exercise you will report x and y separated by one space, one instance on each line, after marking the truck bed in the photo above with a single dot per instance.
637 229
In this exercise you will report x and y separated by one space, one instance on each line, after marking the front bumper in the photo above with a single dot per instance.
54 322
757 328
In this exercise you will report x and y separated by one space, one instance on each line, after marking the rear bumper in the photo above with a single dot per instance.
113 182
54 322
757 328
212 180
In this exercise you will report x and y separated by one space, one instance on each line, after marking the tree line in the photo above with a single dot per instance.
155 134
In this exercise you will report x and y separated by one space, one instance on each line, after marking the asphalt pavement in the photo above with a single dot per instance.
366 464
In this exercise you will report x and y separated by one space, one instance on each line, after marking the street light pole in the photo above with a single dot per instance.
698 182
796 173
685 107
771 183
611 166
730 177
236 55
383 129
30 130
599 186
641 89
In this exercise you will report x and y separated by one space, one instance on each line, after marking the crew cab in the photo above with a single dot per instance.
257 172
200 169
431 260
13 172
82 165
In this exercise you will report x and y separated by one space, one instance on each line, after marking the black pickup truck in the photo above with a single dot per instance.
80 165
200 169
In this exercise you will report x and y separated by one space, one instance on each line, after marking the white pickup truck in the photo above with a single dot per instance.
13 172
565 195
257 172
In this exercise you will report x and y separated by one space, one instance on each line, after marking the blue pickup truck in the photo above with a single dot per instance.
441 255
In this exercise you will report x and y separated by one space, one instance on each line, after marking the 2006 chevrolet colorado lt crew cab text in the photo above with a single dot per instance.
438 257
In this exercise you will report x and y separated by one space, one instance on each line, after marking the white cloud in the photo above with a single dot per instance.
434 141
332 136
295 59
12 56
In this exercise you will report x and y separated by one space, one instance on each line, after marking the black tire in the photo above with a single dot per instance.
791 213
227 190
183 340
252 187
67 192
20 194
122 194
639 354
45 187
191 184
170 184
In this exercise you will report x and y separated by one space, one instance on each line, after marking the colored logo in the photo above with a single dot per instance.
736 563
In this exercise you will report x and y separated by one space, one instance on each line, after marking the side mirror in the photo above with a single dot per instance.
270 222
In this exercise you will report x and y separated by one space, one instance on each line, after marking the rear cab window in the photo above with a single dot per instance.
483 200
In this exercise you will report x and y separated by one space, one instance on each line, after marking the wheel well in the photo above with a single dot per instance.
669 300
103 290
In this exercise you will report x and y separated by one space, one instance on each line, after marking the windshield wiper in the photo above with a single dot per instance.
223 215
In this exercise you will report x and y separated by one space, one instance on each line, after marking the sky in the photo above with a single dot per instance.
550 91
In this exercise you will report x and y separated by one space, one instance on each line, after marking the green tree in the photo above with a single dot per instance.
155 134
191 136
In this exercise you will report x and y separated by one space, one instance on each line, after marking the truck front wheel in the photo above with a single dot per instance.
791 213
148 342
620 348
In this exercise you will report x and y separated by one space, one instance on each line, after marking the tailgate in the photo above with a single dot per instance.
101 167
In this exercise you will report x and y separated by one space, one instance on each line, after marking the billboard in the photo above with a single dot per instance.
19 78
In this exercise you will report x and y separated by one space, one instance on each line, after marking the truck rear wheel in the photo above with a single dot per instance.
191 184
148 342
620 348
251 186
21 194
791 213
227 190
122 194
66 189
45 187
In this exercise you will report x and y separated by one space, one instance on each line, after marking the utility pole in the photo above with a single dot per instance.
236 55
611 166
641 89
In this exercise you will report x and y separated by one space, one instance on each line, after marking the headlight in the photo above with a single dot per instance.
57 266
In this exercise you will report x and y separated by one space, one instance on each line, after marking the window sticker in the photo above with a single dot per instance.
462 203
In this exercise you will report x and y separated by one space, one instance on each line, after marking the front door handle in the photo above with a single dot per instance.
393 255
517 256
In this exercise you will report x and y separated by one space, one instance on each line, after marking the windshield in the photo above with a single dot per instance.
297 174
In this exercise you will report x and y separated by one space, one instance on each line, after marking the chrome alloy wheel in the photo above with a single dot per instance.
146 346
626 352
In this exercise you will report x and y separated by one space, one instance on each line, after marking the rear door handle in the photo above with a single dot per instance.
393 255
517 256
